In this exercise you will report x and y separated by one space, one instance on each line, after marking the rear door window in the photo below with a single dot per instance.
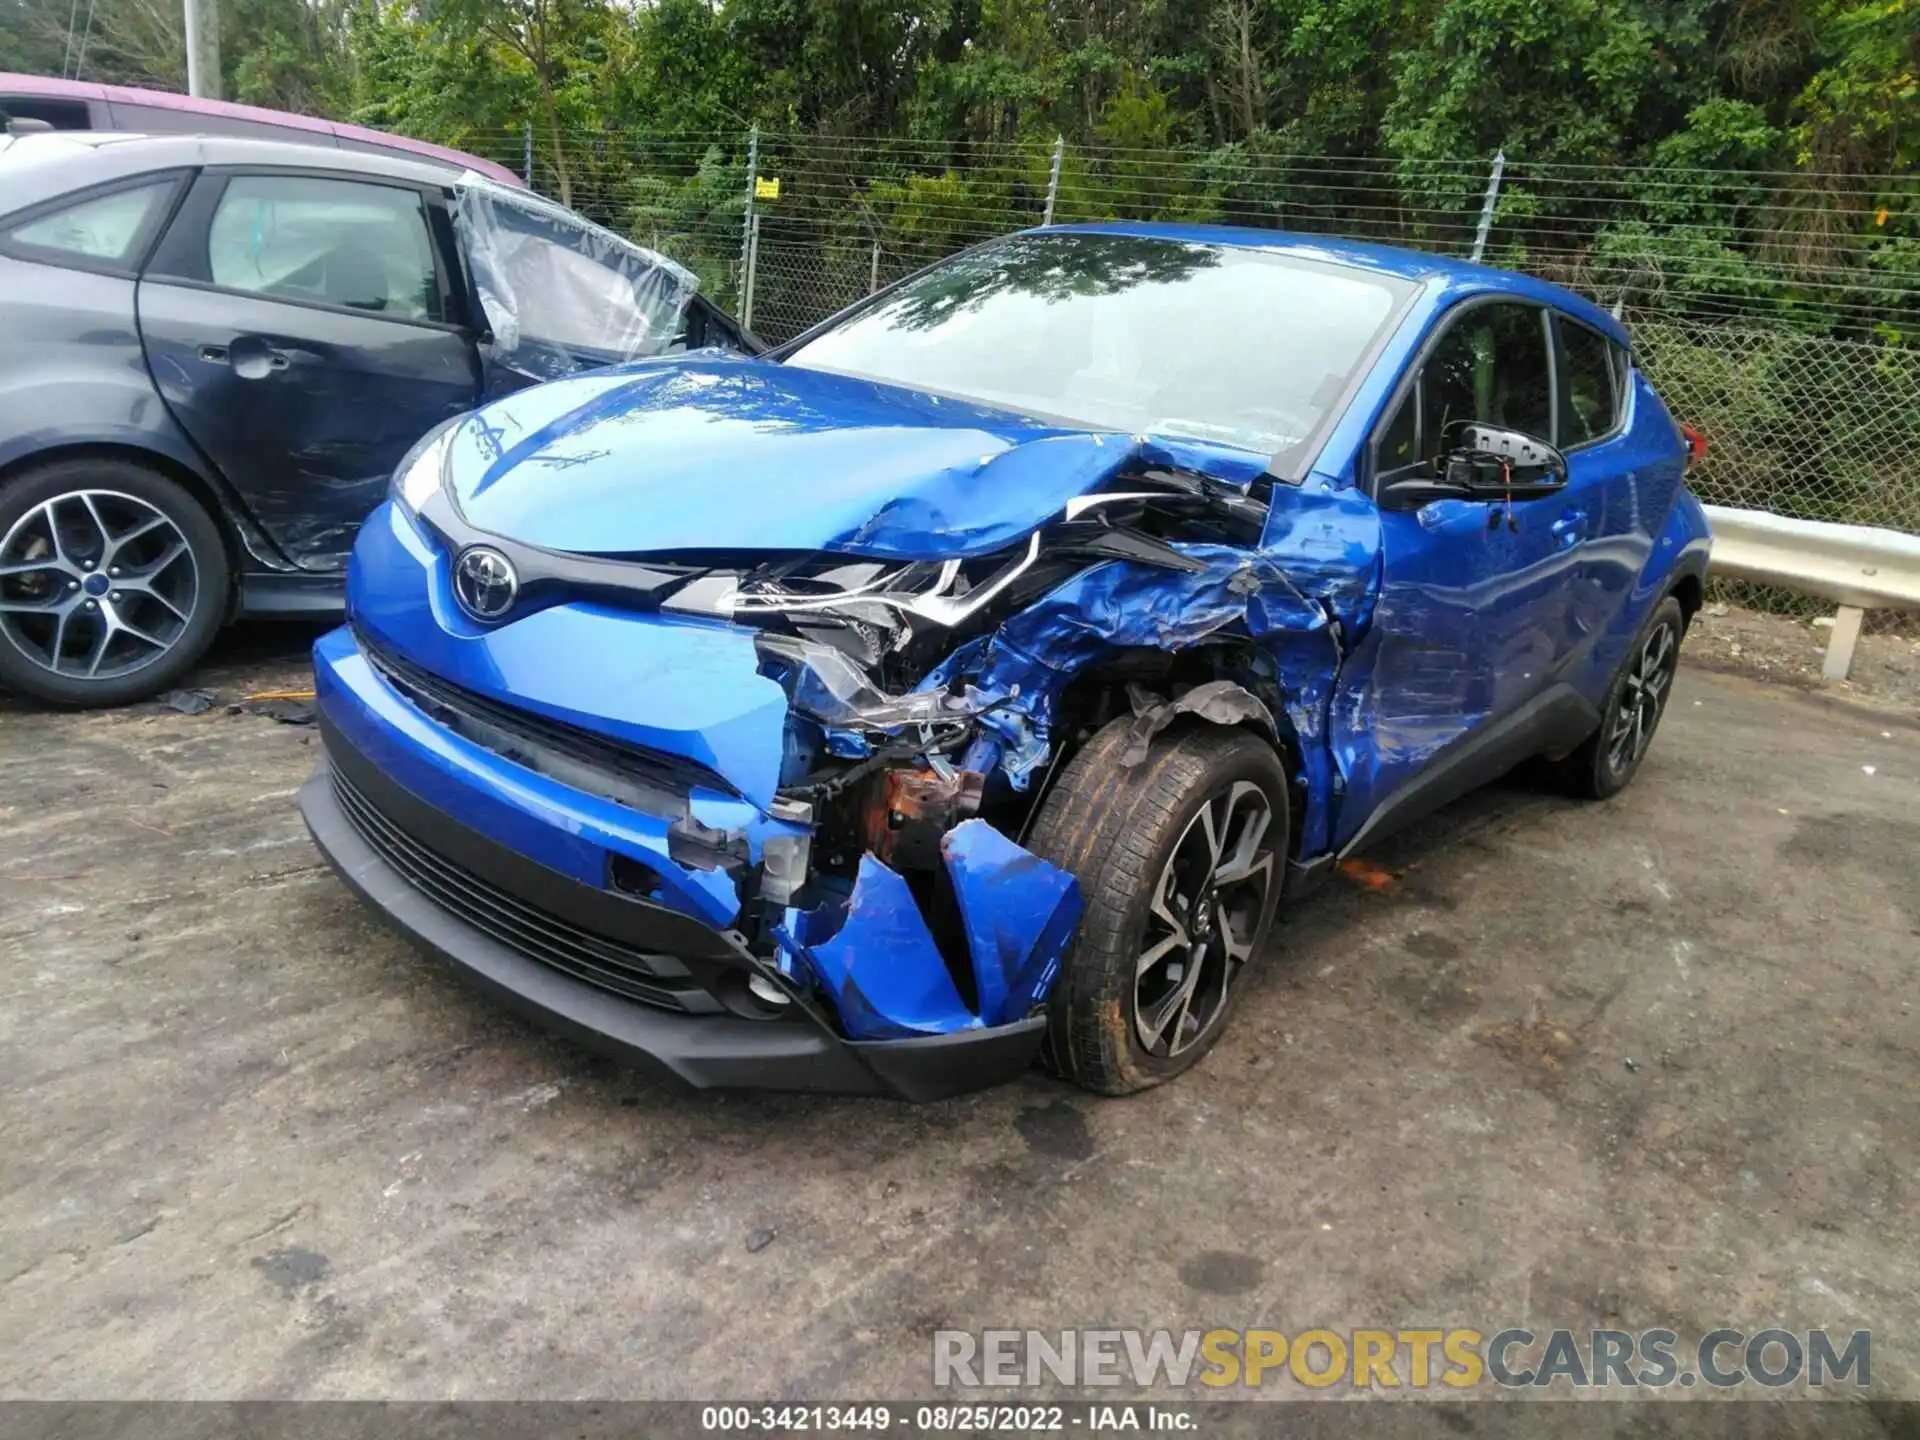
326 242
60 114
1590 384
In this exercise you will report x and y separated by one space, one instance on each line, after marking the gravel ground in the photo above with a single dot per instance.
1541 1063
1886 664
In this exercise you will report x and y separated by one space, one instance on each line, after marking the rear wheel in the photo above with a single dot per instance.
1611 756
113 581
1180 861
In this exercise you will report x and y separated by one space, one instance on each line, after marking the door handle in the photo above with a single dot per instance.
1570 529
214 354
254 359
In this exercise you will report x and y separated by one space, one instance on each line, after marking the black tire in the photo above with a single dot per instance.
154 614
1606 763
1122 832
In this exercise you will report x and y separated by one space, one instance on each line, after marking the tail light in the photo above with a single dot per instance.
1696 445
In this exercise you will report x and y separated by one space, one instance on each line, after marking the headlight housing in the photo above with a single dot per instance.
417 478
937 591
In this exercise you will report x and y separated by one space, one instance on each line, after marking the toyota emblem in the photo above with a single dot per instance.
485 583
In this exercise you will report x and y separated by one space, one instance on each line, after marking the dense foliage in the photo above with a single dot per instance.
1770 139
1741 174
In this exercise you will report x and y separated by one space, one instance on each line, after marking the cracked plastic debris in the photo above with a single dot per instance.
879 961
825 684
562 294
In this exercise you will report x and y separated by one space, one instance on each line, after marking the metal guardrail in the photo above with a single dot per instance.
1858 567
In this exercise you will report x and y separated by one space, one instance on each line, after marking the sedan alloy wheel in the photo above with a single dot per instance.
96 584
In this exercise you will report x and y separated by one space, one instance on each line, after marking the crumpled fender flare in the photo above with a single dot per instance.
1218 702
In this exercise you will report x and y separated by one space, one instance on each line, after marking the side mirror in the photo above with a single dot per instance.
1529 458
1482 462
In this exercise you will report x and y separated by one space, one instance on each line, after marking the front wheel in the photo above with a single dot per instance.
1180 860
1603 766
113 581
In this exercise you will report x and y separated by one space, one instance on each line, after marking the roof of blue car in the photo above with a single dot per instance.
1462 276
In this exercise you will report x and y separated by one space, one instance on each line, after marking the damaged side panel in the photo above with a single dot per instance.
940 923
1299 597
889 723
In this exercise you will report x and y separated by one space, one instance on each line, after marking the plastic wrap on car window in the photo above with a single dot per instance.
560 293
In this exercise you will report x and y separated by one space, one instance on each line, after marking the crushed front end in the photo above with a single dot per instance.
757 816
585 810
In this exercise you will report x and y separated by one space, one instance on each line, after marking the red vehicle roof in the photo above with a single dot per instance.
52 89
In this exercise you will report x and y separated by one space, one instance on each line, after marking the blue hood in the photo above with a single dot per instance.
717 453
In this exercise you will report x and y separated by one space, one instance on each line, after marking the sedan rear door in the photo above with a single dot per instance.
305 329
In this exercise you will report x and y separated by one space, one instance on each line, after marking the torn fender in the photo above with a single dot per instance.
1219 702
877 960
1022 667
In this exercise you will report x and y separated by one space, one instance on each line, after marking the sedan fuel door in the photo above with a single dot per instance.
305 331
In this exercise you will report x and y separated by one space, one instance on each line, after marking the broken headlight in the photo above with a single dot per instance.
827 685
945 592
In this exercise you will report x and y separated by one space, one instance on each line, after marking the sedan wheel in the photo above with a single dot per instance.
1642 697
112 580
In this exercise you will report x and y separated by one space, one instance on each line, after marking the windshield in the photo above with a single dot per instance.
1138 334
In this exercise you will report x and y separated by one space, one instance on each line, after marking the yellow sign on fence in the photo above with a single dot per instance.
766 187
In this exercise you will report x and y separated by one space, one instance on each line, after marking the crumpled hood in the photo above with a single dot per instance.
721 453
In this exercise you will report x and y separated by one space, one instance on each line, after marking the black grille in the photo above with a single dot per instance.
533 932
505 729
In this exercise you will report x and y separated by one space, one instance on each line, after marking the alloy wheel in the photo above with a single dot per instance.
96 584
1642 698
1204 919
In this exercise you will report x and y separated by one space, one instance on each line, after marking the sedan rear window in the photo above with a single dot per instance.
1590 388
1137 334
106 229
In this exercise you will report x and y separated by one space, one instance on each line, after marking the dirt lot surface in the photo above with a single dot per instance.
1648 1063
1886 663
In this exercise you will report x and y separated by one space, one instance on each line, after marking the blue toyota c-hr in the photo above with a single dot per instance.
970 681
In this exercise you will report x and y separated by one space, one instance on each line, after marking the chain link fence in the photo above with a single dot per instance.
1779 313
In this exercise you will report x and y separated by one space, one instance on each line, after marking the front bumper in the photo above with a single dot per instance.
578 807
794 1052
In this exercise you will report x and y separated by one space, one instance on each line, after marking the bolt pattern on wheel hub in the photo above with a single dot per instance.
95 584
